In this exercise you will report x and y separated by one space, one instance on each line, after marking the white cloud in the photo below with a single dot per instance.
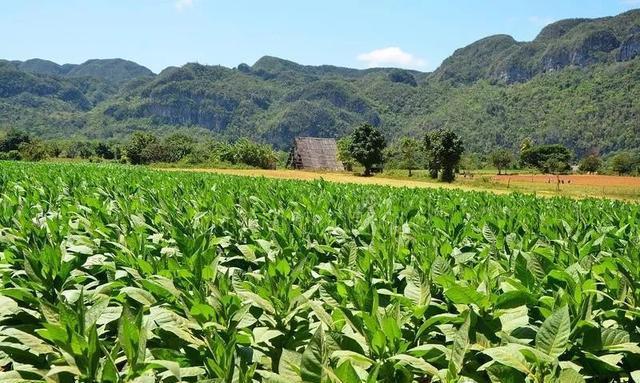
391 56
541 21
183 4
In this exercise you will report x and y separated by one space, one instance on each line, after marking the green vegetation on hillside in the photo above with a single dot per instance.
589 102
573 42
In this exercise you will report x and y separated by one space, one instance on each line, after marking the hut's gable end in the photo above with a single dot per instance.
315 153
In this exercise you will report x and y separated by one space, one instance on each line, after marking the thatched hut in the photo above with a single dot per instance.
314 153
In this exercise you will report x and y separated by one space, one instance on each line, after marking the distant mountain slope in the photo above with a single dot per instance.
116 71
573 42
577 83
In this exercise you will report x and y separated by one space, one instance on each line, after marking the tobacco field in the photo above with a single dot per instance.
122 274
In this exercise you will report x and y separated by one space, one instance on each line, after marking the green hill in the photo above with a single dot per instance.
566 43
577 83
115 71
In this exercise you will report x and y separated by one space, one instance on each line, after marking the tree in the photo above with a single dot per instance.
432 161
13 139
623 163
555 165
249 153
34 150
402 76
547 158
471 161
448 150
366 146
81 149
178 146
135 148
590 164
54 148
501 159
104 151
526 144
344 155
155 151
409 153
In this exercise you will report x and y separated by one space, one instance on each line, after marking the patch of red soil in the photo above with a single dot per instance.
581 179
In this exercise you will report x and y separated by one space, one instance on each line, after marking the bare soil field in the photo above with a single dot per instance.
581 179
575 186
332 177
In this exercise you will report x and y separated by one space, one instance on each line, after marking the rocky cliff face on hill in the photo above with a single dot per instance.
577 83
630 48
576 42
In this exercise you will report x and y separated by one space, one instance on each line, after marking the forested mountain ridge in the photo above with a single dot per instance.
577 83
110 70
572 42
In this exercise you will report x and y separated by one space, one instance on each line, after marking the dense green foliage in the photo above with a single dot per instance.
366 146
501 159
623 163
110 70
442 150
116 274
143 148
13 139
344 155
572 42
590 164
547 158
446 148
406 153
578 86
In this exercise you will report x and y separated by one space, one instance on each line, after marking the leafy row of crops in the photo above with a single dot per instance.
115 274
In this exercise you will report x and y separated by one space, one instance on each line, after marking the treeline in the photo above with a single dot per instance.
440 151
141 148
145 148
558 159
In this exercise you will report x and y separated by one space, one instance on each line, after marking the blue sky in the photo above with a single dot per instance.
415 34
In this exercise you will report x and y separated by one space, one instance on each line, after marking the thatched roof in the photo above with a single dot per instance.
315 153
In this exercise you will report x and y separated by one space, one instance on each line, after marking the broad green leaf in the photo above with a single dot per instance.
465 295
172 367
417 290
513 299
459 348
289 366
354 358
569 375
55 370
512 319
139 295
500 373
80 249
509 356
264 334
488 234
553 336
8 307
313 359
35 345
347 374
415 363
